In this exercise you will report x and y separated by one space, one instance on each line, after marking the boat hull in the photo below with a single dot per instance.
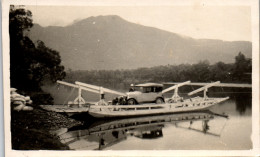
153 109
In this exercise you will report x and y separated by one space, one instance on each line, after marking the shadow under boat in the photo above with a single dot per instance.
104 133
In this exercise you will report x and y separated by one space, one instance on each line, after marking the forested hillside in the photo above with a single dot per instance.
239 72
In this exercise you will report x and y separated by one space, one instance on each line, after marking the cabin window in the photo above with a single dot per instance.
140 89
147 89
158 89
150 89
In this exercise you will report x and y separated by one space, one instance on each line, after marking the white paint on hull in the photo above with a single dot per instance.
151 109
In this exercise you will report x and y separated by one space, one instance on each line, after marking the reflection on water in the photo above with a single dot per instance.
110 134
196 130
243 101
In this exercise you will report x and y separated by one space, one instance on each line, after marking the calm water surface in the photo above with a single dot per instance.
208 130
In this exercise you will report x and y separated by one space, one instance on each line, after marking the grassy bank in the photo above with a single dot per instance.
31 129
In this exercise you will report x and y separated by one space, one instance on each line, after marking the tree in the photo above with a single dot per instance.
221 72
201 71
19 21
30 65
242 68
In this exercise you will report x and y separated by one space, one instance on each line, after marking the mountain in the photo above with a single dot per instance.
110 42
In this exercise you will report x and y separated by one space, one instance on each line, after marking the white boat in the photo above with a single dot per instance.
175 104
188 105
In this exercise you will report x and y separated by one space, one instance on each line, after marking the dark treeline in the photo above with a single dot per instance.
31 64
238 72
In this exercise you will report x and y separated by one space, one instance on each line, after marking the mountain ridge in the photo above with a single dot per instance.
110 42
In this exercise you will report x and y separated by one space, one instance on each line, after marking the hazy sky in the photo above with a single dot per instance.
211 22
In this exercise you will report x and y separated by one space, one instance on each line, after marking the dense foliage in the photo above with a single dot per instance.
238 72
30 64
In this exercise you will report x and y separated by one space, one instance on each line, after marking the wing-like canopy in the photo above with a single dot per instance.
77 86
204 88
149 85
175 86
97 88
238 85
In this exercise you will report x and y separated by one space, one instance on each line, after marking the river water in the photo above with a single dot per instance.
205 130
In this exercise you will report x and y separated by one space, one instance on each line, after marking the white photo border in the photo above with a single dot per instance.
254 4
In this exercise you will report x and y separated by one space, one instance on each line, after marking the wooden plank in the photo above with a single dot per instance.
203 88
68 84
77 86
98 88
176 86
90 90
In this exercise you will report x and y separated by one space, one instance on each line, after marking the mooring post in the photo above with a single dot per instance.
205 93
102 95
80 98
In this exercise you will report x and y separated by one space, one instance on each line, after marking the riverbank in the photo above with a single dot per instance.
31 129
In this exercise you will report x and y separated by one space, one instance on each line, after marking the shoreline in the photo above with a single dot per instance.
31 130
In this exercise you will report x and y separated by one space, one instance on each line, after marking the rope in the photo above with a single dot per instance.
223 127
83 95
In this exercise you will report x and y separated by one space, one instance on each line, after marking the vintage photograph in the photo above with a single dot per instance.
130 77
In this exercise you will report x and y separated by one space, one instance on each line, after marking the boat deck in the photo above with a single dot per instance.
188 105
101 111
